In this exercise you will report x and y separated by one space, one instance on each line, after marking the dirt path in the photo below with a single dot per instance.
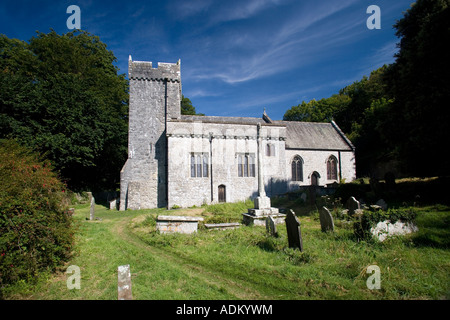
240 290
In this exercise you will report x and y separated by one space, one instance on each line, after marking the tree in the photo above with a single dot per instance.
62 95
187 108
360 110
317 111
419 82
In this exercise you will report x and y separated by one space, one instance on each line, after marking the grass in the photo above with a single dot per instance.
247 263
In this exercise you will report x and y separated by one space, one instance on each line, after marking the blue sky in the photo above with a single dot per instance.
237 56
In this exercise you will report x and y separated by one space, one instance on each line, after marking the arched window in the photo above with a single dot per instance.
297 168
270 150
332 168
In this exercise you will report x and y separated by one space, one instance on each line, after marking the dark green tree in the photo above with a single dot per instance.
318 111
63 96
420 84
187 108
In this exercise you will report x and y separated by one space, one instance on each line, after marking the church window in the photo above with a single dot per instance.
270 150
252 166
240 166
205 166
297 169
246 165
199 165
193 175
332 168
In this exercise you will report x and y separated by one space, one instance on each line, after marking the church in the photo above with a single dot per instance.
176 160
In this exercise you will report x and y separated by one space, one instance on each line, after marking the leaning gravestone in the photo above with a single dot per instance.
326 219
124 283
352 205
271 227
293 231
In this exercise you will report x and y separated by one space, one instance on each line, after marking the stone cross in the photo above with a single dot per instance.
261 201
271 227
293 231
352 205
326 219
124 283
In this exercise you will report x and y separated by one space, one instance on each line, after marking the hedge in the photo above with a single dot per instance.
36 230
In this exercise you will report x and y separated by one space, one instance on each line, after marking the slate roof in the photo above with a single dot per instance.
315 135
299 135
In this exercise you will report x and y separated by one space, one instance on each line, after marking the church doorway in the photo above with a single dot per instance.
222 193
315 178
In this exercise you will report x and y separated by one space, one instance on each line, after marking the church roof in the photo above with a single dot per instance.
299 135
315 136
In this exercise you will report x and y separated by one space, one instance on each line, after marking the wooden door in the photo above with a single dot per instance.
222 193
315 179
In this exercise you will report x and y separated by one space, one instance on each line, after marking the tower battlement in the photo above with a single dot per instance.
144 70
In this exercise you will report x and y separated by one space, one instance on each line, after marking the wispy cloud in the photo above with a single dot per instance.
243 9
186 9
253 54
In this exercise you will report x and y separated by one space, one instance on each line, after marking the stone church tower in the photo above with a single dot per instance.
155 98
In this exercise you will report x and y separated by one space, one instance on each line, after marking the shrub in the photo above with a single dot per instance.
36 231
370 219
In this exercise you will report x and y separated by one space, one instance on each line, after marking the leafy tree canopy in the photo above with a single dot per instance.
187 108
63 96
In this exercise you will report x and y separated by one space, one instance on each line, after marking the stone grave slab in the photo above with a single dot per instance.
177 224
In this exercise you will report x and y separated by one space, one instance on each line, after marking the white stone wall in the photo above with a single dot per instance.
316 161
227 141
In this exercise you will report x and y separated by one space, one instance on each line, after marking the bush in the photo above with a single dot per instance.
370 219
36 231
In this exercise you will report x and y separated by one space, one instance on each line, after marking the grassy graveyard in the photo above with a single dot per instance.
248 263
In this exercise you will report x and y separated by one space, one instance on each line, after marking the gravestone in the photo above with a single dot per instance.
352 205
271 226
293 231
113 204
92 206
326 219
92 211
382 204
124 283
